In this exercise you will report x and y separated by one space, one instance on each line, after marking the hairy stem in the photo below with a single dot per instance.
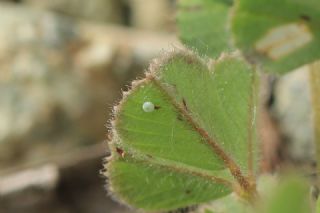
314 77
251 124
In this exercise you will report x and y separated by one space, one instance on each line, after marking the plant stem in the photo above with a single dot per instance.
314 78
251 124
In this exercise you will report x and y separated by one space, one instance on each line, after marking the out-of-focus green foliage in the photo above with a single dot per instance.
229 204
280 35
202 25
290 195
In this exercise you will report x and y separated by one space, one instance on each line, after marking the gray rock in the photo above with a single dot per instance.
59 80
37 88
96 10
159 14
293 112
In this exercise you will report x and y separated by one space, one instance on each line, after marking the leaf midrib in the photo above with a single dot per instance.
215 147
135 156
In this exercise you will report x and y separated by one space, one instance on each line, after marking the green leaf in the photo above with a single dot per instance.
150 186
281 35
203 25
227 204
291 195
185 134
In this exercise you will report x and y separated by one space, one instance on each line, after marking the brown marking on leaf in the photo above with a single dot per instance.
149 156
179 117
157 107
190 60
188 191
283 40
305 17
185 104
120 152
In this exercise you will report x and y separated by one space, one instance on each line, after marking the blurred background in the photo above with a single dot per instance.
63 64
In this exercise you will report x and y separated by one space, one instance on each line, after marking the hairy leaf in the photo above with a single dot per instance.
185 134
203 25
279 34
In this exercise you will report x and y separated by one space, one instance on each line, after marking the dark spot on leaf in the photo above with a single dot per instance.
305 17
179 117
188 191
184 104
184 210
120 151
190 59
157 107
149 156
271 99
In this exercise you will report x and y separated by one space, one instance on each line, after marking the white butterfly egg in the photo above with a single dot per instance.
148 106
